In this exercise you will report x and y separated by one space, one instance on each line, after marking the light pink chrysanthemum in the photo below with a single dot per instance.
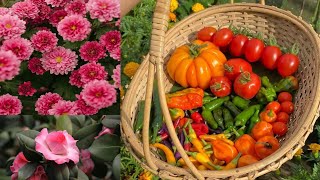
99 94
26 89
116 76
92 71
10 105
84 108
118 22
35 66
76 7
111 40
92 51
44 41
11 26
74 28
46 101
4 11
9 65
57 16
25 9
104 10
116 54
44 13
75 79
59 61
63 107
21 47
57 3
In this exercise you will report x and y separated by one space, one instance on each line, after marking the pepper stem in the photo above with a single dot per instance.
186 141
195 49
217 167
245 77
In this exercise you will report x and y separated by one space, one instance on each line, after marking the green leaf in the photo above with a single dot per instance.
64 123
65 89
116 167
58 172
26 171
28 141
105 148
82 175
86 135
4 138
74 171
111 121
74 45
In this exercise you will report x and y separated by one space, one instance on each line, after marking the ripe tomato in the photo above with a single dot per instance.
284 96
222 37
234 67
266 146
205 34
274 105
288 64
279 128
269 57
247 85
287 106
253 49
236 45
220 86
261 129
283 117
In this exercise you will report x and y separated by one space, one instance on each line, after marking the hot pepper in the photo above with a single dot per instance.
245 115
227 117
213 137
138 124
288 84
217 114
268 116
208 117
196 116
200 129
233 109
203 159
182 122
176 113
169 154
162 137
186 99
157 116
233 164
268 92
240 102
253 121
216 103
208 99
202 167
187 143
181 162
223 151
194 140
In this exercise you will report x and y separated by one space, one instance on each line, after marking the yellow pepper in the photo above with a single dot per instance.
181 162
176 113
169 154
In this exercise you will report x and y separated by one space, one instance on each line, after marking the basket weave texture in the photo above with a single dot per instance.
270 21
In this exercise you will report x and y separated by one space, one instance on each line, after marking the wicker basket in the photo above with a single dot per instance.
271 21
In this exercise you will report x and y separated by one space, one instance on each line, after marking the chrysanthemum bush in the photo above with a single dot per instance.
60 57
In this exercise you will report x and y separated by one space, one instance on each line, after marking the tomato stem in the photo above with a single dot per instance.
228 68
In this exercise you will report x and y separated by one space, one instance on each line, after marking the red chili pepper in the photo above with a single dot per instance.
162 137
200 129
182 122
177 122
196 117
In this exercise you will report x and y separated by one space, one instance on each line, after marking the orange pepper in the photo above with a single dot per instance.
268 115
223 151
247 160
186 99
266 146
245 145
261 129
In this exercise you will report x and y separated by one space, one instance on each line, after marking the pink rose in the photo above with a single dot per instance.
87 164
18 163
39 174
104 131
58 146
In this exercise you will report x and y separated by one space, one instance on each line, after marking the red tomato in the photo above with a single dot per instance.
274 105
234 67
220 86
253 49
279 128
222 37
269 57
283 117
236 45
247 85
288 64
206 33
284 96
287 107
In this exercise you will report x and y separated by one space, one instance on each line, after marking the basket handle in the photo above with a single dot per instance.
263 2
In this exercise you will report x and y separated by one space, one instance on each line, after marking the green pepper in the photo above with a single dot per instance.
208 99
138 124
176 113
240 102
217 114
216 103
207 116
238 132
287 84
228 119
157 114
253 121
267 92
233 109
245 115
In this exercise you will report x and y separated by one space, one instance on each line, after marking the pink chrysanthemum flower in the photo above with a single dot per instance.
21 47
116 54
57 16
99 94
26 89
84 108
118 22
44 41
46 101
116 76
4 11
104 10
25 9
10 105
35 66
59 61
92 71
37 2
57 3
74 28
9 65
111 40
44 13
76 7
63 107
75 79
11 26
92 51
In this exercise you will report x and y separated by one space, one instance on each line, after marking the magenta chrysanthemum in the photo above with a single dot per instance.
116 76
84 108
4 11
116 54
11 26
76 7
19 46
104 10
9 65
46 101
111 40
74 28
44 41
75 79
37 2
10 105
57 16
35 66
92 71
63 107
92 51
99 94
25 9
26 89
57 3
59 61
44 13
